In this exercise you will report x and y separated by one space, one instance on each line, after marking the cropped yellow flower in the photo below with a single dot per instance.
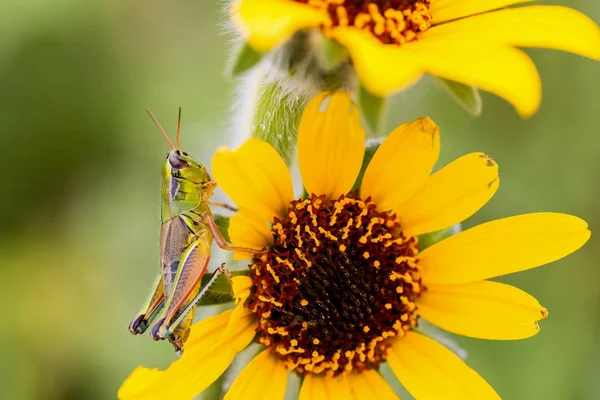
393 43
343 283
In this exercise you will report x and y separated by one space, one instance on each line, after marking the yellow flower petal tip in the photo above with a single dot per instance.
451 195
490 161
484 310
427 126
413 147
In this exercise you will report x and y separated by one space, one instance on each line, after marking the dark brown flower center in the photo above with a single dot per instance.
390 21
339 281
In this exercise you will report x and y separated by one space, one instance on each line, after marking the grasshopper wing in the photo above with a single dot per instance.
191 269
175 236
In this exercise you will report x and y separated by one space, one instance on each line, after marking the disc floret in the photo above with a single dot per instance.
392 22
339 281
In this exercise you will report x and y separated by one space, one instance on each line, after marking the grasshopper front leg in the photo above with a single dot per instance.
151 307
222 205
222 243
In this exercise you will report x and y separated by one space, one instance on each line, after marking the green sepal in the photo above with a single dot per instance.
331 54
372 108
220 292
370 148
466 95
429 239
223 225
245 59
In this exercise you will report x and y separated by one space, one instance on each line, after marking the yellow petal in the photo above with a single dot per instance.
451 195
210 328
246 229
331 144
201 368
255 177
550 27
382 69
429 370
318 387
265 378
212 345
402 164
499 69
484 309
187 376
370 385
445 10
197 373
242 318
268 23
502 247
241 286
140 379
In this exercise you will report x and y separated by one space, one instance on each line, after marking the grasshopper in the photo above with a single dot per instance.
186 234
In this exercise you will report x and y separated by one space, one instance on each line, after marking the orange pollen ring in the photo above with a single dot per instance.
390 21
339 282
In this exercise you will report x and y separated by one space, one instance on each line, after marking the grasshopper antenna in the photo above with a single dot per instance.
178 128
161 128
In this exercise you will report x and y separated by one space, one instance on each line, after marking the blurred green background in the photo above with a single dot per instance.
79 211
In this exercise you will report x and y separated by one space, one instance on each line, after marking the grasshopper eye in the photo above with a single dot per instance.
177 162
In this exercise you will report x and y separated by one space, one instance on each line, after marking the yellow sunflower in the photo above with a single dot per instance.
393 43
343 283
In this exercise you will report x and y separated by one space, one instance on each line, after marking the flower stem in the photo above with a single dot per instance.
275 115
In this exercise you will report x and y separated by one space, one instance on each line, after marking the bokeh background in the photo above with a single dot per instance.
79 204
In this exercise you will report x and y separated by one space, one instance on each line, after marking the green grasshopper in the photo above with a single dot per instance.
187 231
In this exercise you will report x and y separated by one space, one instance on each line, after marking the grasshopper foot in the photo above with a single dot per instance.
223 269
138 324
178 338
159 330
178 345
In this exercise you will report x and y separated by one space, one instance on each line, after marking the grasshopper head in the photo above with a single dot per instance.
180 164
183 165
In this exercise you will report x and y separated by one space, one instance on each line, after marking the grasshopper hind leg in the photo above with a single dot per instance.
138 325
178 331
189 309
